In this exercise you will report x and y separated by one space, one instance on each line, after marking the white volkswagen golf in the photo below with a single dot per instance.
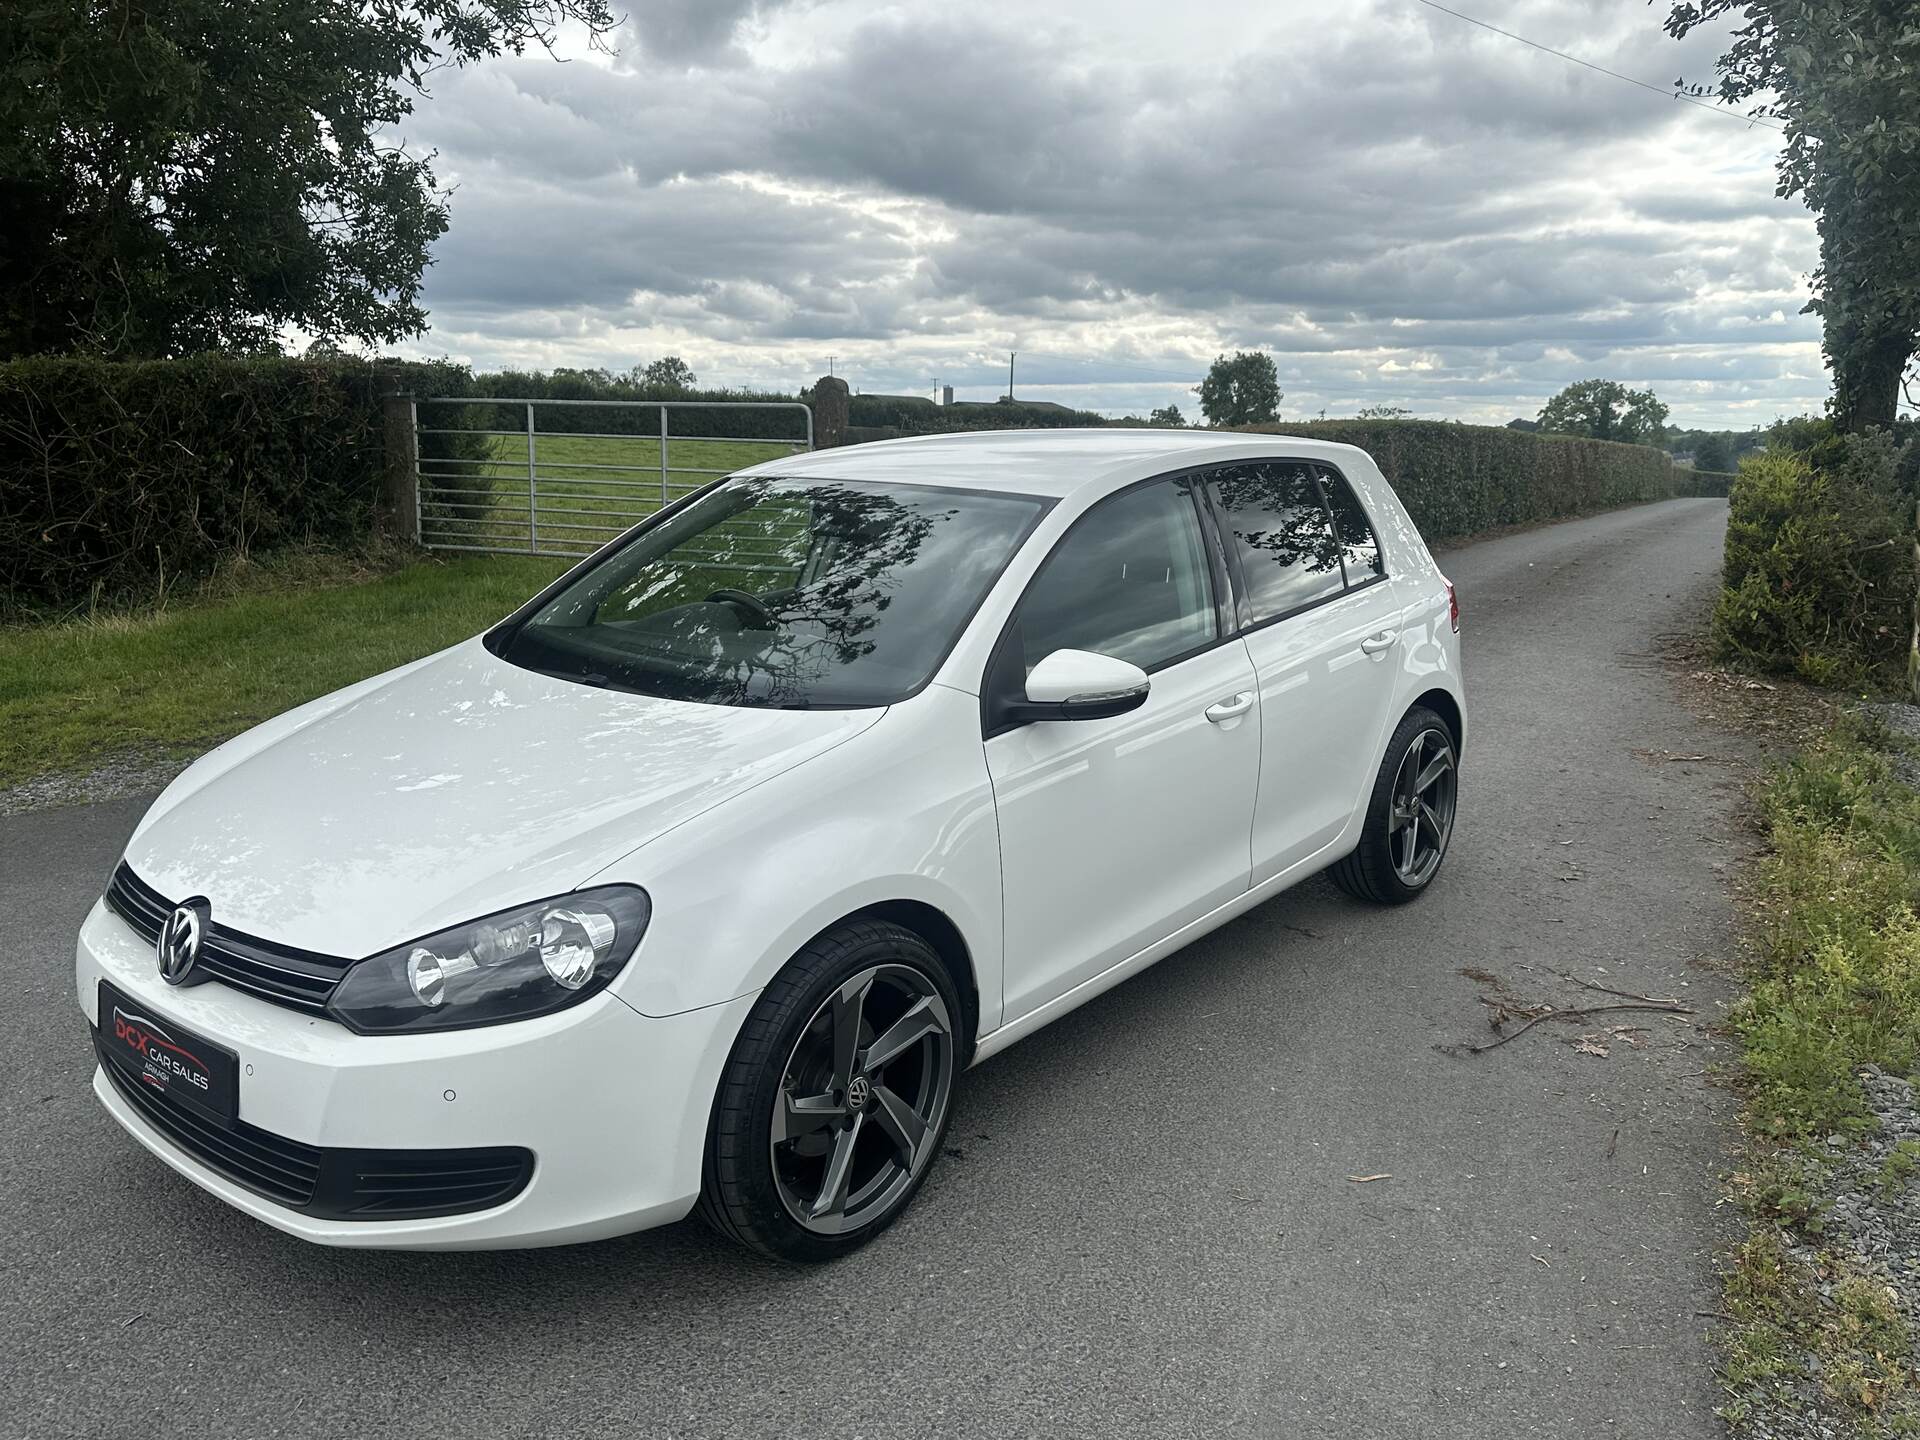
699 880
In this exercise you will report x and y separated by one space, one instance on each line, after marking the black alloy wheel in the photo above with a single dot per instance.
1410 814
837 1095
1421 818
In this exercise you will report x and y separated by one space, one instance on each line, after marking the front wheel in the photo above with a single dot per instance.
1409 814
835 1100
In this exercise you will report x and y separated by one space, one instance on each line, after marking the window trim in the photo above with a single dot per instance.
993 686
1232 621
1243 608
1322 471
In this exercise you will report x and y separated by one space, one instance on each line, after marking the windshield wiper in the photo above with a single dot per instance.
598 681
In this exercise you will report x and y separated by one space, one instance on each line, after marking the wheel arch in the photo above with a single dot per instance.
1447 707
937 928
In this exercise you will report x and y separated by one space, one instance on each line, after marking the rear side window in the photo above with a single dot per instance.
1359 549
1282 533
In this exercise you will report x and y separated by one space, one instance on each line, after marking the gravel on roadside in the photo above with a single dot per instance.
134 772
1871 1233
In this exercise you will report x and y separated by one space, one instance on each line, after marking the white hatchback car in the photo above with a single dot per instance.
701 878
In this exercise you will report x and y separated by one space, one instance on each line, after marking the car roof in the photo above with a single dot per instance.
1056 462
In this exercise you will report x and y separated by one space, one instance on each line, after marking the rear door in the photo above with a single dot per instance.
1115 833
1322 622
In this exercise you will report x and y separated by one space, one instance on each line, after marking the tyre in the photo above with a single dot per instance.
1409 814
835 1100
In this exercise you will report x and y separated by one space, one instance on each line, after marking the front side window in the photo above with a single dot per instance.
1130 580
1280 529
787 593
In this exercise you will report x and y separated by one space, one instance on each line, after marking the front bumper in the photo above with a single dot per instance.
613 1105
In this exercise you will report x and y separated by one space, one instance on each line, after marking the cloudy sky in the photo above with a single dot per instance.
1402 208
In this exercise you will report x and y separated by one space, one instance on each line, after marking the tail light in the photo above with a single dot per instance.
1453 607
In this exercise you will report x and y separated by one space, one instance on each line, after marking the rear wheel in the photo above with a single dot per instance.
835 1100
1409 814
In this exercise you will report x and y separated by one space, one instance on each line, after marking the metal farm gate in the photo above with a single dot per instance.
570 475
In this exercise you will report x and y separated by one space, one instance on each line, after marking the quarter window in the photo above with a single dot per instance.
1359 550
1280 528
1129 580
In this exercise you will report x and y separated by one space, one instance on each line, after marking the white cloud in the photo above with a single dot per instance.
1404 209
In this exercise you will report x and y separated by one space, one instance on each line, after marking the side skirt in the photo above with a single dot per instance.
1016 1030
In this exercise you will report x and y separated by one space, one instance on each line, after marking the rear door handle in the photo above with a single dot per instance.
1230 708
1374 644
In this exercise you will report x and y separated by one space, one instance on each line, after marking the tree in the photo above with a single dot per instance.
1385 412
1241 389
1168 417
1845 79
1713 453
669 372
1605 410
203 175
1522 423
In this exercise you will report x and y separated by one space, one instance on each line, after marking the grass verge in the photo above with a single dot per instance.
1838 981
257 640
1836 987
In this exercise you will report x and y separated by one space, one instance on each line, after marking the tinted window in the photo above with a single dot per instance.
1277 523
784 593
1358 546
1129 580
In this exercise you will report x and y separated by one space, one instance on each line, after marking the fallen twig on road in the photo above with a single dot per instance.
1623 994
1669 1007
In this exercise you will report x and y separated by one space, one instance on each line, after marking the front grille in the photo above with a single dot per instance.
267 1164
298 979
331 1183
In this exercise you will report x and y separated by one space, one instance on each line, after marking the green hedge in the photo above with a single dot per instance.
115 473
1459 479
1819 577
917 415
596 420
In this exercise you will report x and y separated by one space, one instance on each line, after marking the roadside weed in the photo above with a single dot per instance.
1897 1169
1838 982
1835 988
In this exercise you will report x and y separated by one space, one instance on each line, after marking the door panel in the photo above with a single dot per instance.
1324 642
1115 833
1324 707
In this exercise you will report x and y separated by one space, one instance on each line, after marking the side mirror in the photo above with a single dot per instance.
1080 685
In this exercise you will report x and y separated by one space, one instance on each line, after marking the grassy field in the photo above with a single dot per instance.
486 502
186 674
196 672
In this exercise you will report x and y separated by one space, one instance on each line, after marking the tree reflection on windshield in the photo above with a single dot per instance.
784 593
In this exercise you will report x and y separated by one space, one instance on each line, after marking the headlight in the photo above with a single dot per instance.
510 966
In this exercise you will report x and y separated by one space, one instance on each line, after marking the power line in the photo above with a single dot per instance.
1601 69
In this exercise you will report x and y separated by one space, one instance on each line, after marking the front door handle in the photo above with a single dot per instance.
1230 708
1374 644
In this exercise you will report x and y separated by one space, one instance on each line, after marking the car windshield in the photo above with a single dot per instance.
790 593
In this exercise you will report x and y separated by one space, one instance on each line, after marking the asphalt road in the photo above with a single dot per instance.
1146 1224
